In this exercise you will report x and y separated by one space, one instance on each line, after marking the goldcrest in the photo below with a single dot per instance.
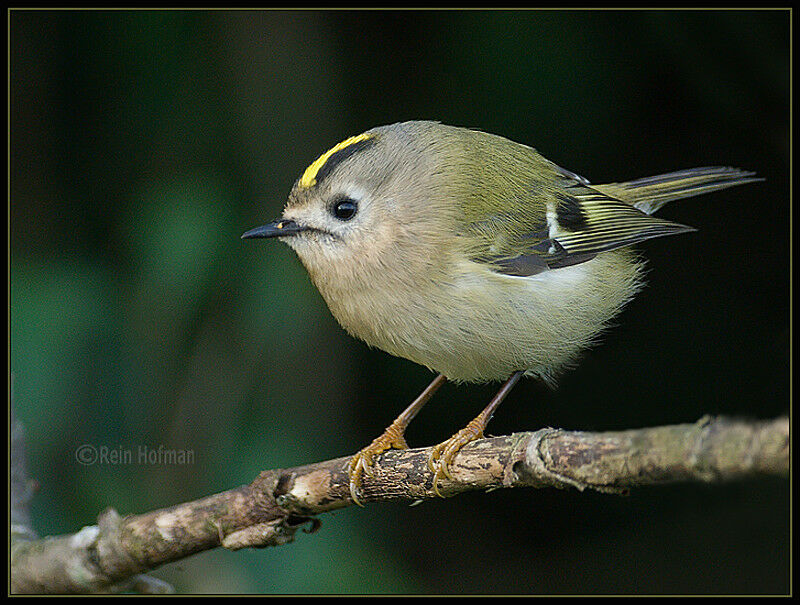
472 255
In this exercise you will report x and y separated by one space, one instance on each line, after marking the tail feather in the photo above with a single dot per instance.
651 193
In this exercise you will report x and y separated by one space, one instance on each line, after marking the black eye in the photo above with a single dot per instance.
345 209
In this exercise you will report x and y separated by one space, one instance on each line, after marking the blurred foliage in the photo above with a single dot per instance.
144 142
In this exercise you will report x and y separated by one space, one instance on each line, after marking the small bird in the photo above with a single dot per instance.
472 255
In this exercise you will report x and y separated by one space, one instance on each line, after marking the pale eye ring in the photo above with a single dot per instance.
344 208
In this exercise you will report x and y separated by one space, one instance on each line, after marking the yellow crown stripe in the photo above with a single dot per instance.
309 178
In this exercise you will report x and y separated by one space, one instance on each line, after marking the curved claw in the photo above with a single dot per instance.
432 460
354 492
355 471
436 477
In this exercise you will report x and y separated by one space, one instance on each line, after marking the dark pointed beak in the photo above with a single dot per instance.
279 228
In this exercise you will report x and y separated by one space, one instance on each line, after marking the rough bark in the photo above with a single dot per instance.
112 555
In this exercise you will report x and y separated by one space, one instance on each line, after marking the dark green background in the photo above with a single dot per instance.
144 143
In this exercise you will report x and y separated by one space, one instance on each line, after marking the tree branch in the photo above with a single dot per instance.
269 511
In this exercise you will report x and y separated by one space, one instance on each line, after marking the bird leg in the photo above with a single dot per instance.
392 438
442 455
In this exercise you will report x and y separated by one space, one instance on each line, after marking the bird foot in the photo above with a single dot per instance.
362 462
443 454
